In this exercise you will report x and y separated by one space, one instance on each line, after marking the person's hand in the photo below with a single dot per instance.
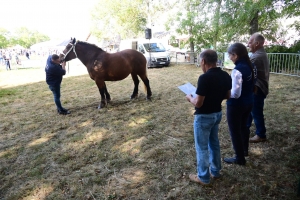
63 64
189 97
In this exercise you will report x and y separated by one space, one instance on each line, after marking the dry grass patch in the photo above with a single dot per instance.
136 149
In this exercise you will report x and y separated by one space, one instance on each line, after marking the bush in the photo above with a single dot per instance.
277 49
295 48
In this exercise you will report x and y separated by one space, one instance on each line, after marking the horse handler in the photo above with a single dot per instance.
54 73
213 86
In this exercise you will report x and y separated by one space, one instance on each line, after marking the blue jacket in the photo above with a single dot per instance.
54 72
246 96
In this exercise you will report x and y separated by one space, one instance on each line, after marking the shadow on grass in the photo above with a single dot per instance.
137 149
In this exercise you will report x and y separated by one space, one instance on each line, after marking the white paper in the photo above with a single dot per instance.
188 88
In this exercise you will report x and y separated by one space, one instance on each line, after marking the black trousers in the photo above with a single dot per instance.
237 122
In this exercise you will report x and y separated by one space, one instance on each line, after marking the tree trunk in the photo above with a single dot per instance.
192 45
217 24
254 24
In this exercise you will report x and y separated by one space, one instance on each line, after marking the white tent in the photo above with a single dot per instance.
47 46
43 45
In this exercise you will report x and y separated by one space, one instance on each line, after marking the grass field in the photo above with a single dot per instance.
134 149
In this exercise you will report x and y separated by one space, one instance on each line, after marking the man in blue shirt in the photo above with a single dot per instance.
213 87
54 73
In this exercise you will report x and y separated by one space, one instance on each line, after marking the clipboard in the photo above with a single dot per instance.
188 88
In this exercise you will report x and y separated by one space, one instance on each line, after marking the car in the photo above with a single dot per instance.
177 50
181 51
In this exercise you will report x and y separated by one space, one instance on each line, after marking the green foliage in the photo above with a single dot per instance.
197 22
291 8
295 48
3 38
277 49
214 23
126 18
26 37
21 36
239 18
3 42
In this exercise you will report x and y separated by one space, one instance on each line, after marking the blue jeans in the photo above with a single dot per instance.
56 93
7 63
207 145
257 114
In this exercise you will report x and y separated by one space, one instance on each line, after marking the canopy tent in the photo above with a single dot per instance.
48 45
43 45
64 43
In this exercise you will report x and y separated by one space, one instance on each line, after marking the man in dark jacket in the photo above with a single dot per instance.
260 59
54 73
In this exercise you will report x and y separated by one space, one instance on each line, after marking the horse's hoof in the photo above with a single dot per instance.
133 96
148 98
101 105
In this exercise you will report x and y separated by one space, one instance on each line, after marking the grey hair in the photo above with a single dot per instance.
258 38
210 56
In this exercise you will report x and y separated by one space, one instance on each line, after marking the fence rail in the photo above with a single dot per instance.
285 63
192 58
183 58
280 63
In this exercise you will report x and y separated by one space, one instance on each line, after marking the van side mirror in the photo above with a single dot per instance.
143 51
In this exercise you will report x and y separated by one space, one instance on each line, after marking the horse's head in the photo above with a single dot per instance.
69 52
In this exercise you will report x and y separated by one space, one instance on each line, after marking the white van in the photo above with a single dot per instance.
152 50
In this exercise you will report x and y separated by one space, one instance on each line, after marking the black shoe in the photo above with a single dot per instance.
234 161
63 109
63 112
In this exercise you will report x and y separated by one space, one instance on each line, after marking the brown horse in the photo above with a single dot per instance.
103 66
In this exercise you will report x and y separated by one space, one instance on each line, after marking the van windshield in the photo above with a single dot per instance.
154 47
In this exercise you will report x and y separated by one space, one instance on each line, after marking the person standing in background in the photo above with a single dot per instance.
260 59
1 58
27 55
6 57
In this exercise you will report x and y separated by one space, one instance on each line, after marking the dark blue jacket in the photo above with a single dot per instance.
247 85
54 72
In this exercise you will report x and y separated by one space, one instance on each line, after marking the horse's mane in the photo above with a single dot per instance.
89 44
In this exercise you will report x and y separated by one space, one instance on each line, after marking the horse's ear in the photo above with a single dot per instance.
74 40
